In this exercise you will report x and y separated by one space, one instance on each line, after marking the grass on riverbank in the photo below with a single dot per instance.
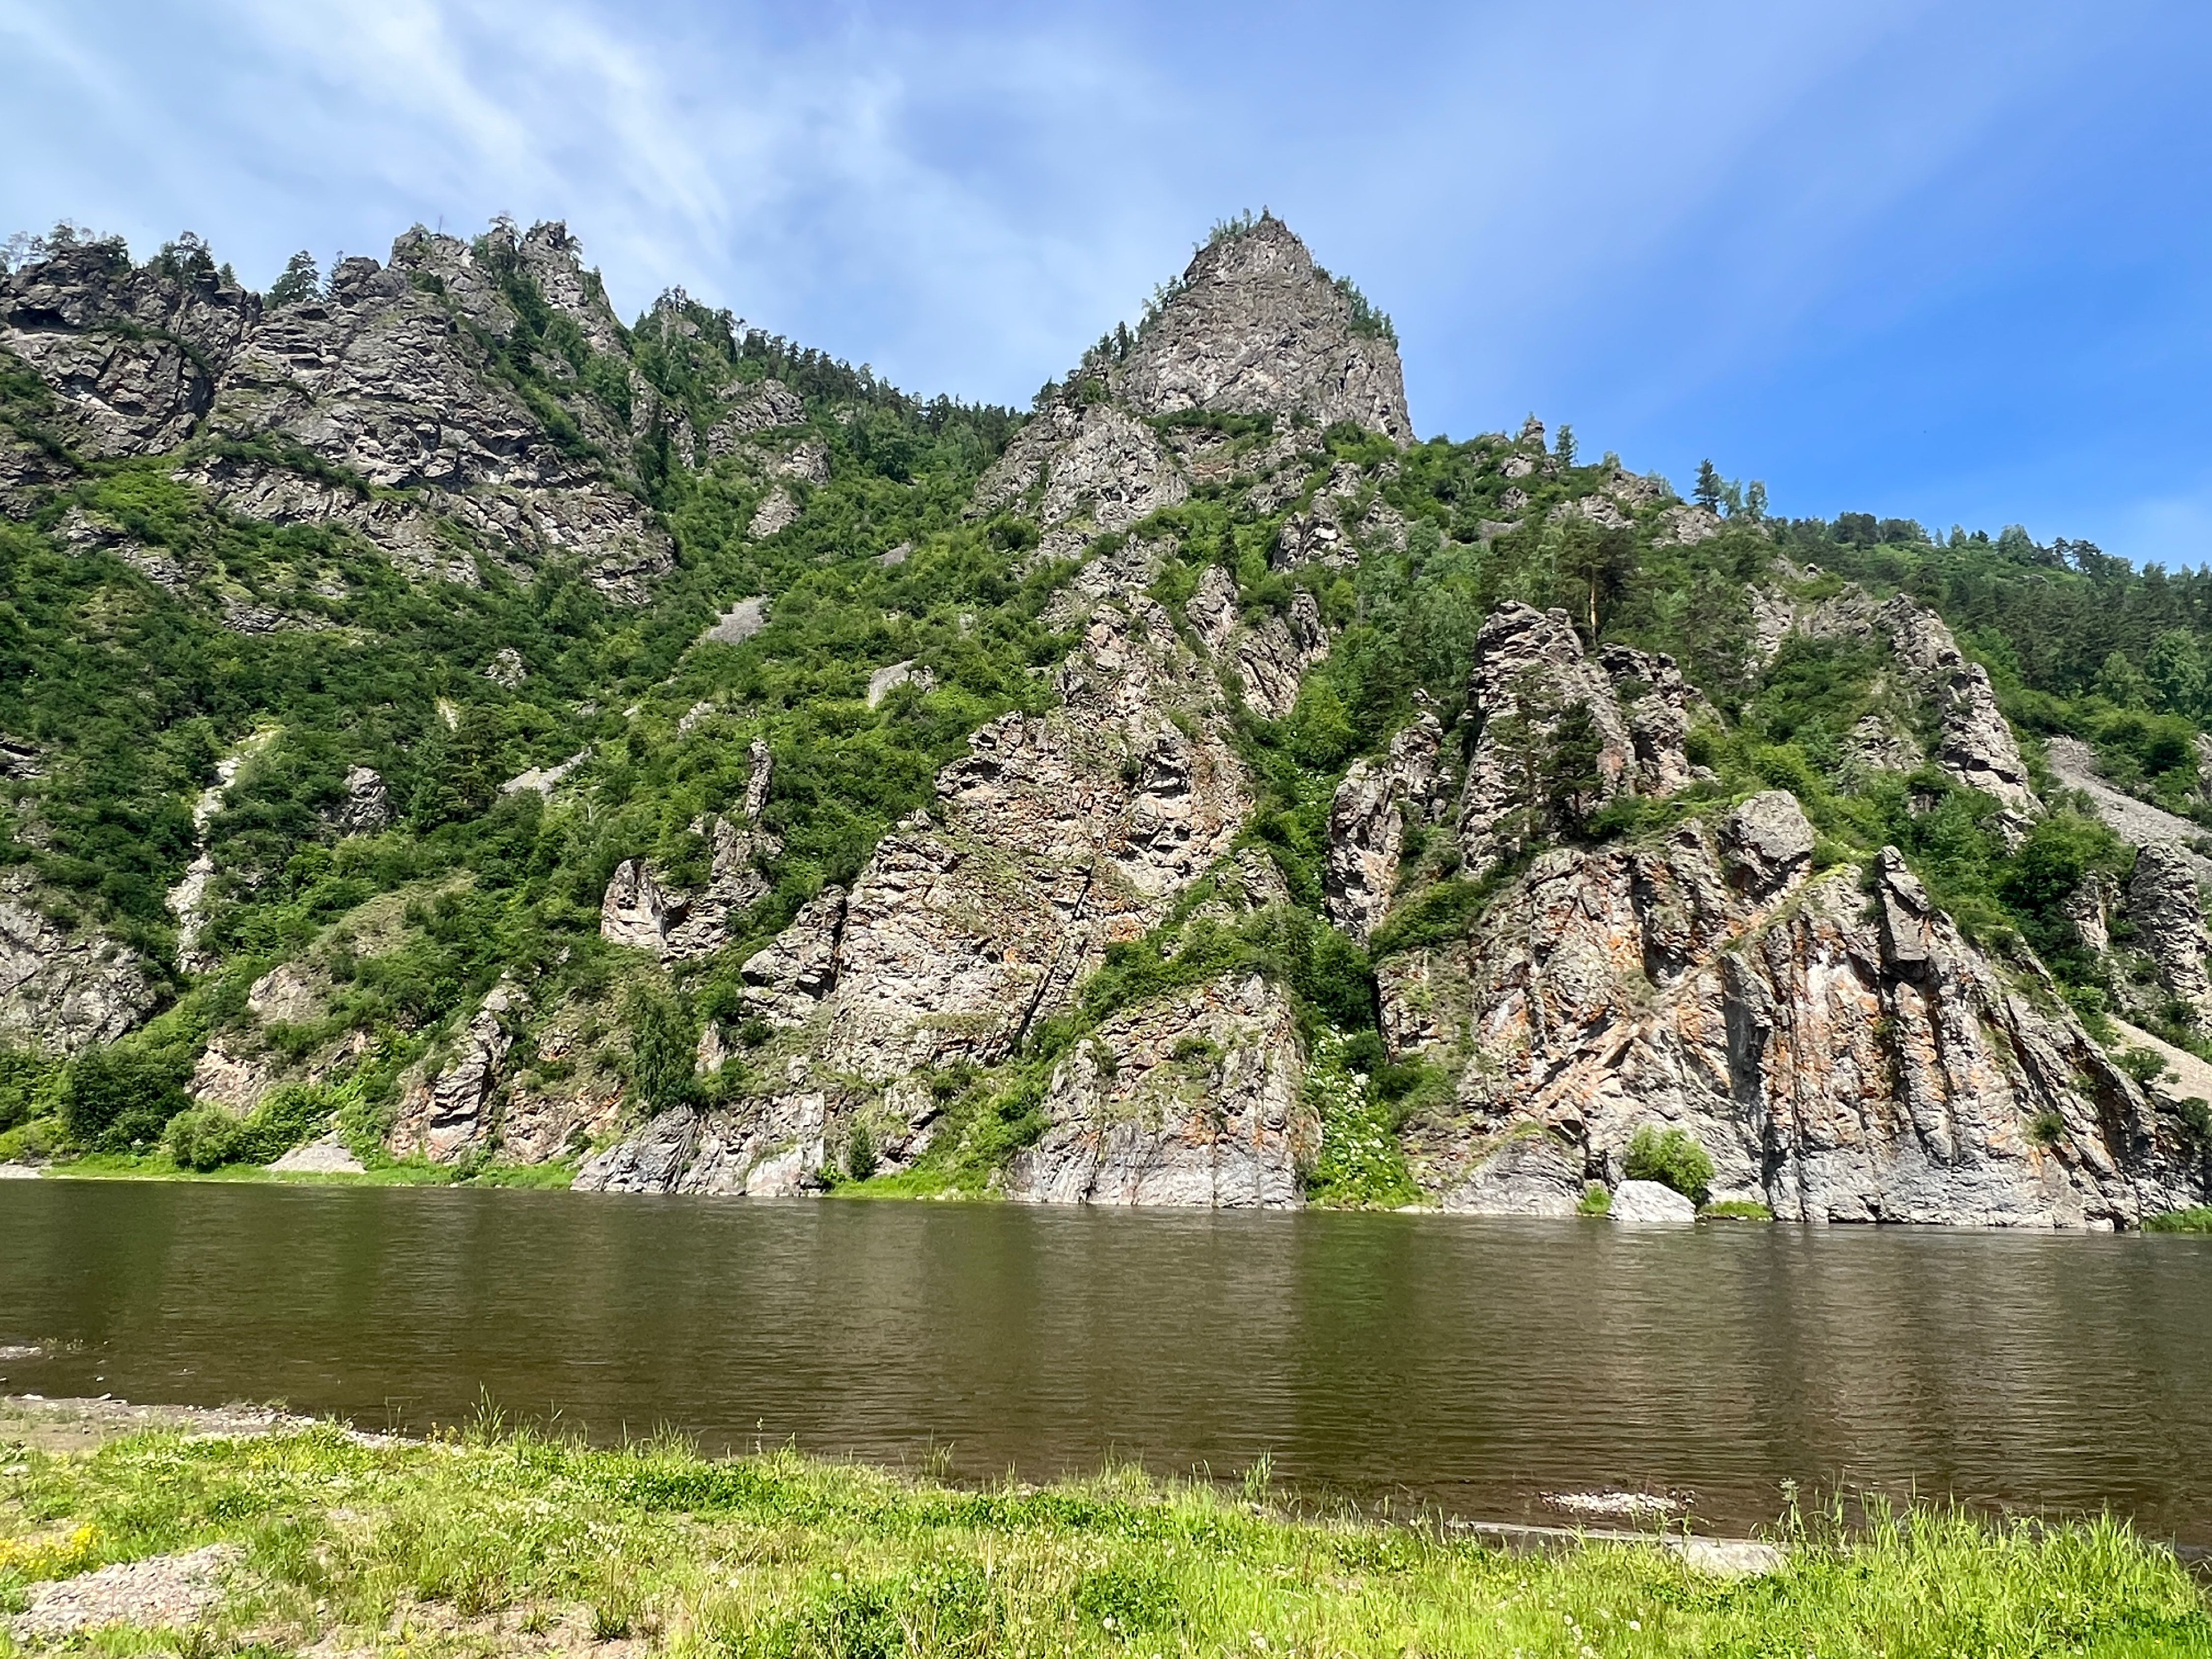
519 1544
2180 1221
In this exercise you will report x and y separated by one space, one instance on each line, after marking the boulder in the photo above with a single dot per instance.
1648 1203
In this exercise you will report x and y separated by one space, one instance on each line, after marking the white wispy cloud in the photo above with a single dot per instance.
1701 228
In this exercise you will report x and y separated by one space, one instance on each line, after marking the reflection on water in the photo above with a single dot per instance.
1474 1365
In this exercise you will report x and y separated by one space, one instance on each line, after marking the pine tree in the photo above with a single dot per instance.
1564 445
300 281
1708 492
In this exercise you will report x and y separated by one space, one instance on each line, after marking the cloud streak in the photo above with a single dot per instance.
1801 238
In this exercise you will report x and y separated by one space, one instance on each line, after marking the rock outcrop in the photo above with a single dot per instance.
133 355
1192 1100
64 989
1975 744
1367 825
1534 1173
1838 1061
641 909
1254 326
446 1114
1053 838
383 378
367 807
2168 912
1532 677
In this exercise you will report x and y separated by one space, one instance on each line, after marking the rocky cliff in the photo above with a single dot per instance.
377 403
664 749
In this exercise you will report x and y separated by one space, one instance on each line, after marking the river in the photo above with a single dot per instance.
1399 1360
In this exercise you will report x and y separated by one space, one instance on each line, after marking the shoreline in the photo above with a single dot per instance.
256 1526
532 1177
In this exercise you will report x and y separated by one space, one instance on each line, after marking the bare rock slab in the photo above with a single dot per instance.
1646 1203
166 1592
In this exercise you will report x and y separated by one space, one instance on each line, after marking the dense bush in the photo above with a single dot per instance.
1672 1158
119 1098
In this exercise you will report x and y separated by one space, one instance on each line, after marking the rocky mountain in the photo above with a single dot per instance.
455 722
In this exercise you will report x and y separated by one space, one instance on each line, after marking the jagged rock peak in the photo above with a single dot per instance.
1254 326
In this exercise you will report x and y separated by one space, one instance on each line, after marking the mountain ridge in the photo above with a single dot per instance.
1198 793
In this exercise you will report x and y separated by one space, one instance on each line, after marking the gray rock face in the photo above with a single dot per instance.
1268 657
2163 903
1685 526
1838 1061
1874 746
1192 1101
444 1115
739 622
130 354
1766 843
1367 825
1256 327
229 1074
1975 745
367 808
640 908
288 994
1529 1175
1646 1203
1092 466
1530 672
1053 838
383 376
1332 531
64 991
328 1155
791 975
761 406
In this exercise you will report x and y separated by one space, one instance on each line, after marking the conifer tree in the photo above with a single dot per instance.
1708 492
300 281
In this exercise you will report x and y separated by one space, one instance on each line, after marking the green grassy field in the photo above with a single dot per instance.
514 1543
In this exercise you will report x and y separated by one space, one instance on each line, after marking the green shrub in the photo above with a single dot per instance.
860 1153
2180 1221
117 1098
206 1137
1672 1158
1597 1199
2145 1066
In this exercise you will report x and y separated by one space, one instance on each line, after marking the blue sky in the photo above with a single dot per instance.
1943 260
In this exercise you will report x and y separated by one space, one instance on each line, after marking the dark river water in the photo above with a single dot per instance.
1471 1366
